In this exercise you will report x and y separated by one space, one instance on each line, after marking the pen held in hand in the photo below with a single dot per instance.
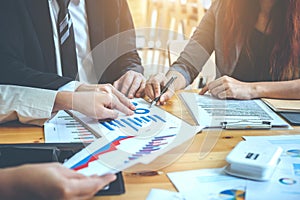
164 89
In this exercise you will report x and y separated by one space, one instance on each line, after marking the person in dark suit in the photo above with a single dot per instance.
28 52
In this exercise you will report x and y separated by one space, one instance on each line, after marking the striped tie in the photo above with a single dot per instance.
66 40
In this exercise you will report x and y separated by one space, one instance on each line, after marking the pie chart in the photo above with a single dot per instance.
232 194
287 181
294 153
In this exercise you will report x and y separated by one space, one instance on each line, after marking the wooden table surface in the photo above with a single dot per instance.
207 150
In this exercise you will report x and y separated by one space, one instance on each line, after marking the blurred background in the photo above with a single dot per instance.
163 28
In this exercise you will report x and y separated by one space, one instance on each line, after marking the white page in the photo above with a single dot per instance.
208 184
62 128
285 182
156 194
211 112
129 140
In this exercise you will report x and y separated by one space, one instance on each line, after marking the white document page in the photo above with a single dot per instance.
285 182
208 184
63 128
156 194
129 140
211 112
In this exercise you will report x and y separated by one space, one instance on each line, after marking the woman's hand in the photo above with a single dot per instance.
229 88
154 86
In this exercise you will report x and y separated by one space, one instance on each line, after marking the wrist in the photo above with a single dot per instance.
256 91
63 101
180 81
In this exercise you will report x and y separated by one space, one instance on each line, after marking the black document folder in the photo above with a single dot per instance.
292 117
18 154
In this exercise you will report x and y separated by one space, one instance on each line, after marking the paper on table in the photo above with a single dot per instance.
285 182
129 140
209 184
211 112
282 105
164 194
62 128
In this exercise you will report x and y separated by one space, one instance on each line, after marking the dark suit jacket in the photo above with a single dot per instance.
27 54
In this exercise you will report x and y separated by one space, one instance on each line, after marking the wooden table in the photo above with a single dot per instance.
138 187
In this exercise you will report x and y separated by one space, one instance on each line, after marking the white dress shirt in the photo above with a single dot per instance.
81 33
28 105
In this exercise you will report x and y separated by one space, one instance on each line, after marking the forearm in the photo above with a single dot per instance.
8 188
280 89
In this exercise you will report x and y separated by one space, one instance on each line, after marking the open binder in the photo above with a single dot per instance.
18 154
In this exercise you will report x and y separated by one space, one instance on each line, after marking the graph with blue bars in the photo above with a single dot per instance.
134 123
142 118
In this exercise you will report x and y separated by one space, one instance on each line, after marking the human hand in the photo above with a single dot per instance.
154 85
101 105
132 84
112 99
50 181
227 87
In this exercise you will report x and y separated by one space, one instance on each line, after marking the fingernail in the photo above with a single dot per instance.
130 112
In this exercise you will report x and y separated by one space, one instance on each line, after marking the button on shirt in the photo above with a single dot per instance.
81 32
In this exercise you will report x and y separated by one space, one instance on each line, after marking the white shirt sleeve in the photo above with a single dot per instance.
28 105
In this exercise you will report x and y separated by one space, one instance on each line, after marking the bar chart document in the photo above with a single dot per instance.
63 128
208 111
128 140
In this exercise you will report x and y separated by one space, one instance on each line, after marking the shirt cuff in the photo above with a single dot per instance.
71 86
182 71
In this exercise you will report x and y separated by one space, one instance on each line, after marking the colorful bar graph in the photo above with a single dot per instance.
84 163
153 145
134 123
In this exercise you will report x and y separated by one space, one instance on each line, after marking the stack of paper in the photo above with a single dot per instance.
280 105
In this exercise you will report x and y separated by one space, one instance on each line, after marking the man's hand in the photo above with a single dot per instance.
228 88
49 181
154 85
131 84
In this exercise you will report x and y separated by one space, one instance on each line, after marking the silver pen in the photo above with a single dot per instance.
164 89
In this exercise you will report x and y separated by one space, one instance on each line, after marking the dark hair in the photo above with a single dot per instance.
284 25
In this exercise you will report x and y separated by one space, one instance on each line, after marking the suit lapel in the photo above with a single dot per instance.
95 10
41 20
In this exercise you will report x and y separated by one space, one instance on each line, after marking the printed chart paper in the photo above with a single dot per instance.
285 182
63 128
129 140
209 184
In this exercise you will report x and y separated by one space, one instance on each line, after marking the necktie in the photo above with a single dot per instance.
66 40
